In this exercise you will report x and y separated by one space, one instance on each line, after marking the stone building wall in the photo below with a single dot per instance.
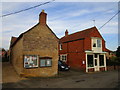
17 56
41 41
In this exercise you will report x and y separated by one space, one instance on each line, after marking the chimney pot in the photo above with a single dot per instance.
66 32
43 10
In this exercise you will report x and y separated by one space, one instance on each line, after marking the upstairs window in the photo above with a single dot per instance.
96 43
60 46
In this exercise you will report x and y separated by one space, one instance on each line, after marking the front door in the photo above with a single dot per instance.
96 62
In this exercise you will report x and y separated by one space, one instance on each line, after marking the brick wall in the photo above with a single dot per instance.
75 54
87 43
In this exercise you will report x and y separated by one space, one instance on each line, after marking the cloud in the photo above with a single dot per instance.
61 16
60 1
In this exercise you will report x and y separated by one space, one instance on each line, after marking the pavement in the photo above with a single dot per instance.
65 79
9 75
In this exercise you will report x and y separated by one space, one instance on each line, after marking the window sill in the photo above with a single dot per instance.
45 66
30 67
101 66
90 67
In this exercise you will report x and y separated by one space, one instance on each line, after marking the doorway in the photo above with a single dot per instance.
96 62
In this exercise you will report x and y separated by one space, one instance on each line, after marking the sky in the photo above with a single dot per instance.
73 16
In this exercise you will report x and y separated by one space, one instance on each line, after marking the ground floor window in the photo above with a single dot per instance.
30 61
95 61
90 60
45 61
63 57
101 60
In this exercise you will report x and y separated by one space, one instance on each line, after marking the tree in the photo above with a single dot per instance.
118 51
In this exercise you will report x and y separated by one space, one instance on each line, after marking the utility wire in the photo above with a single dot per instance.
95 18
109 19
27 9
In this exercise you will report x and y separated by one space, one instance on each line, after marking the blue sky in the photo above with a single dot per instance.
74 16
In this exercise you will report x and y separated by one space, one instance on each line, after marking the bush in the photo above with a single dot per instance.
113 61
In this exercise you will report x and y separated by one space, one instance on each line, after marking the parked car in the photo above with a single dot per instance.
62 66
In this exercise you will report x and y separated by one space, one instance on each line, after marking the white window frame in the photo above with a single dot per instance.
94 42
100 43
30 56
95 39
104 60
62 58
60 46
91 53
96 49
87 60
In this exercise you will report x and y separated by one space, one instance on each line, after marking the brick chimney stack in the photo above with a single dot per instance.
42 18
66 32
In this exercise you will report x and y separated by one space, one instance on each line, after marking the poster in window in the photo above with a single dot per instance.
49 62
42 63
45 62
30 61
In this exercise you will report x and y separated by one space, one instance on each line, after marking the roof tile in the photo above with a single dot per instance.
78 35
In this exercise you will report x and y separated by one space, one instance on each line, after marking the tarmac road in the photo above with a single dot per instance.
66 79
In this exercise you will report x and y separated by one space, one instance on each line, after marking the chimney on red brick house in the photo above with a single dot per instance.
42 18
66 32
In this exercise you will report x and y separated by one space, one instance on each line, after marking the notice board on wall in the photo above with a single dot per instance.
30 61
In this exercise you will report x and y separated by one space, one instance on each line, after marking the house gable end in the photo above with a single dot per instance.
41 37
53 33
96 33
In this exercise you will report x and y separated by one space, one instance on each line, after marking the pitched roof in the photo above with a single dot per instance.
13 39
79 35
28 31
107 50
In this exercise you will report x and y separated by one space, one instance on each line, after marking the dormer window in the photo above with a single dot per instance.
96 42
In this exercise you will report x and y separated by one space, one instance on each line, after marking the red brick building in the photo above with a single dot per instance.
84 50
